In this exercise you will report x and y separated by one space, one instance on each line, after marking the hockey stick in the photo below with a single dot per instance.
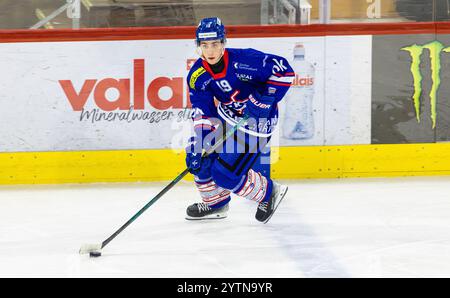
95 249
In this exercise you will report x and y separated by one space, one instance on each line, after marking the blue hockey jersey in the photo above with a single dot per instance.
247 73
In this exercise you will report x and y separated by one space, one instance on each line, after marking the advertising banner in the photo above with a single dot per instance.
111 95
410 89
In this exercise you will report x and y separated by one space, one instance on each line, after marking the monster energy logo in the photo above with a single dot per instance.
435 49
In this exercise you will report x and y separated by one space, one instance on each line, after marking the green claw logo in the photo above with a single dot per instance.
435 49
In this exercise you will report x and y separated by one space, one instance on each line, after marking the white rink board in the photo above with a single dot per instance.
348 90
37 114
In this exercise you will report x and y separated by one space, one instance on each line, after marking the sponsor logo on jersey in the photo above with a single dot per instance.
195 76
244 77
206 83
278 66
272 90
244 66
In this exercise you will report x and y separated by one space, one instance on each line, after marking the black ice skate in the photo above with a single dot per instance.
267 209
200 211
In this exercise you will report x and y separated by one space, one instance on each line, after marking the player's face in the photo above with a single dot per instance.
212 50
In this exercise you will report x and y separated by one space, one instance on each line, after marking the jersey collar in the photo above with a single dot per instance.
219 75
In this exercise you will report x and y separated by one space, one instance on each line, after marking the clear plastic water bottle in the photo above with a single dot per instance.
298 119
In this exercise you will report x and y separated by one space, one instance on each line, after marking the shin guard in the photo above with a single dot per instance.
212 194
255 187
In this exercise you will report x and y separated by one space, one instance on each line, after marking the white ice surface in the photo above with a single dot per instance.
397 227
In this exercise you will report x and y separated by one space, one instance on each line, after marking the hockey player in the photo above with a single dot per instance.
244 82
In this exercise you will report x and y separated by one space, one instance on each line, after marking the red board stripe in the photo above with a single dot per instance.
156 33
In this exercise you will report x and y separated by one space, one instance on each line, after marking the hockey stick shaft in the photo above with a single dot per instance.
174 182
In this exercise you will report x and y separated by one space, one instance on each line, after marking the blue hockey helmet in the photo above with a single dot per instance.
210 29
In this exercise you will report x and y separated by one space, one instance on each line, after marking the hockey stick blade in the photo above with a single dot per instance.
88 248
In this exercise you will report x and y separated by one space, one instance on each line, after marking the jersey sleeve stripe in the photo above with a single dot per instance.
279 83
287 74
281 79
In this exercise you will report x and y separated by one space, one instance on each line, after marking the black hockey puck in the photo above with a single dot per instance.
95 254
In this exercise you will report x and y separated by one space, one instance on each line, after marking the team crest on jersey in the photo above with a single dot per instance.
237 106
195 76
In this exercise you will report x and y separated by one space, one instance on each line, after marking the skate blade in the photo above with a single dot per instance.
283 191
212 216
